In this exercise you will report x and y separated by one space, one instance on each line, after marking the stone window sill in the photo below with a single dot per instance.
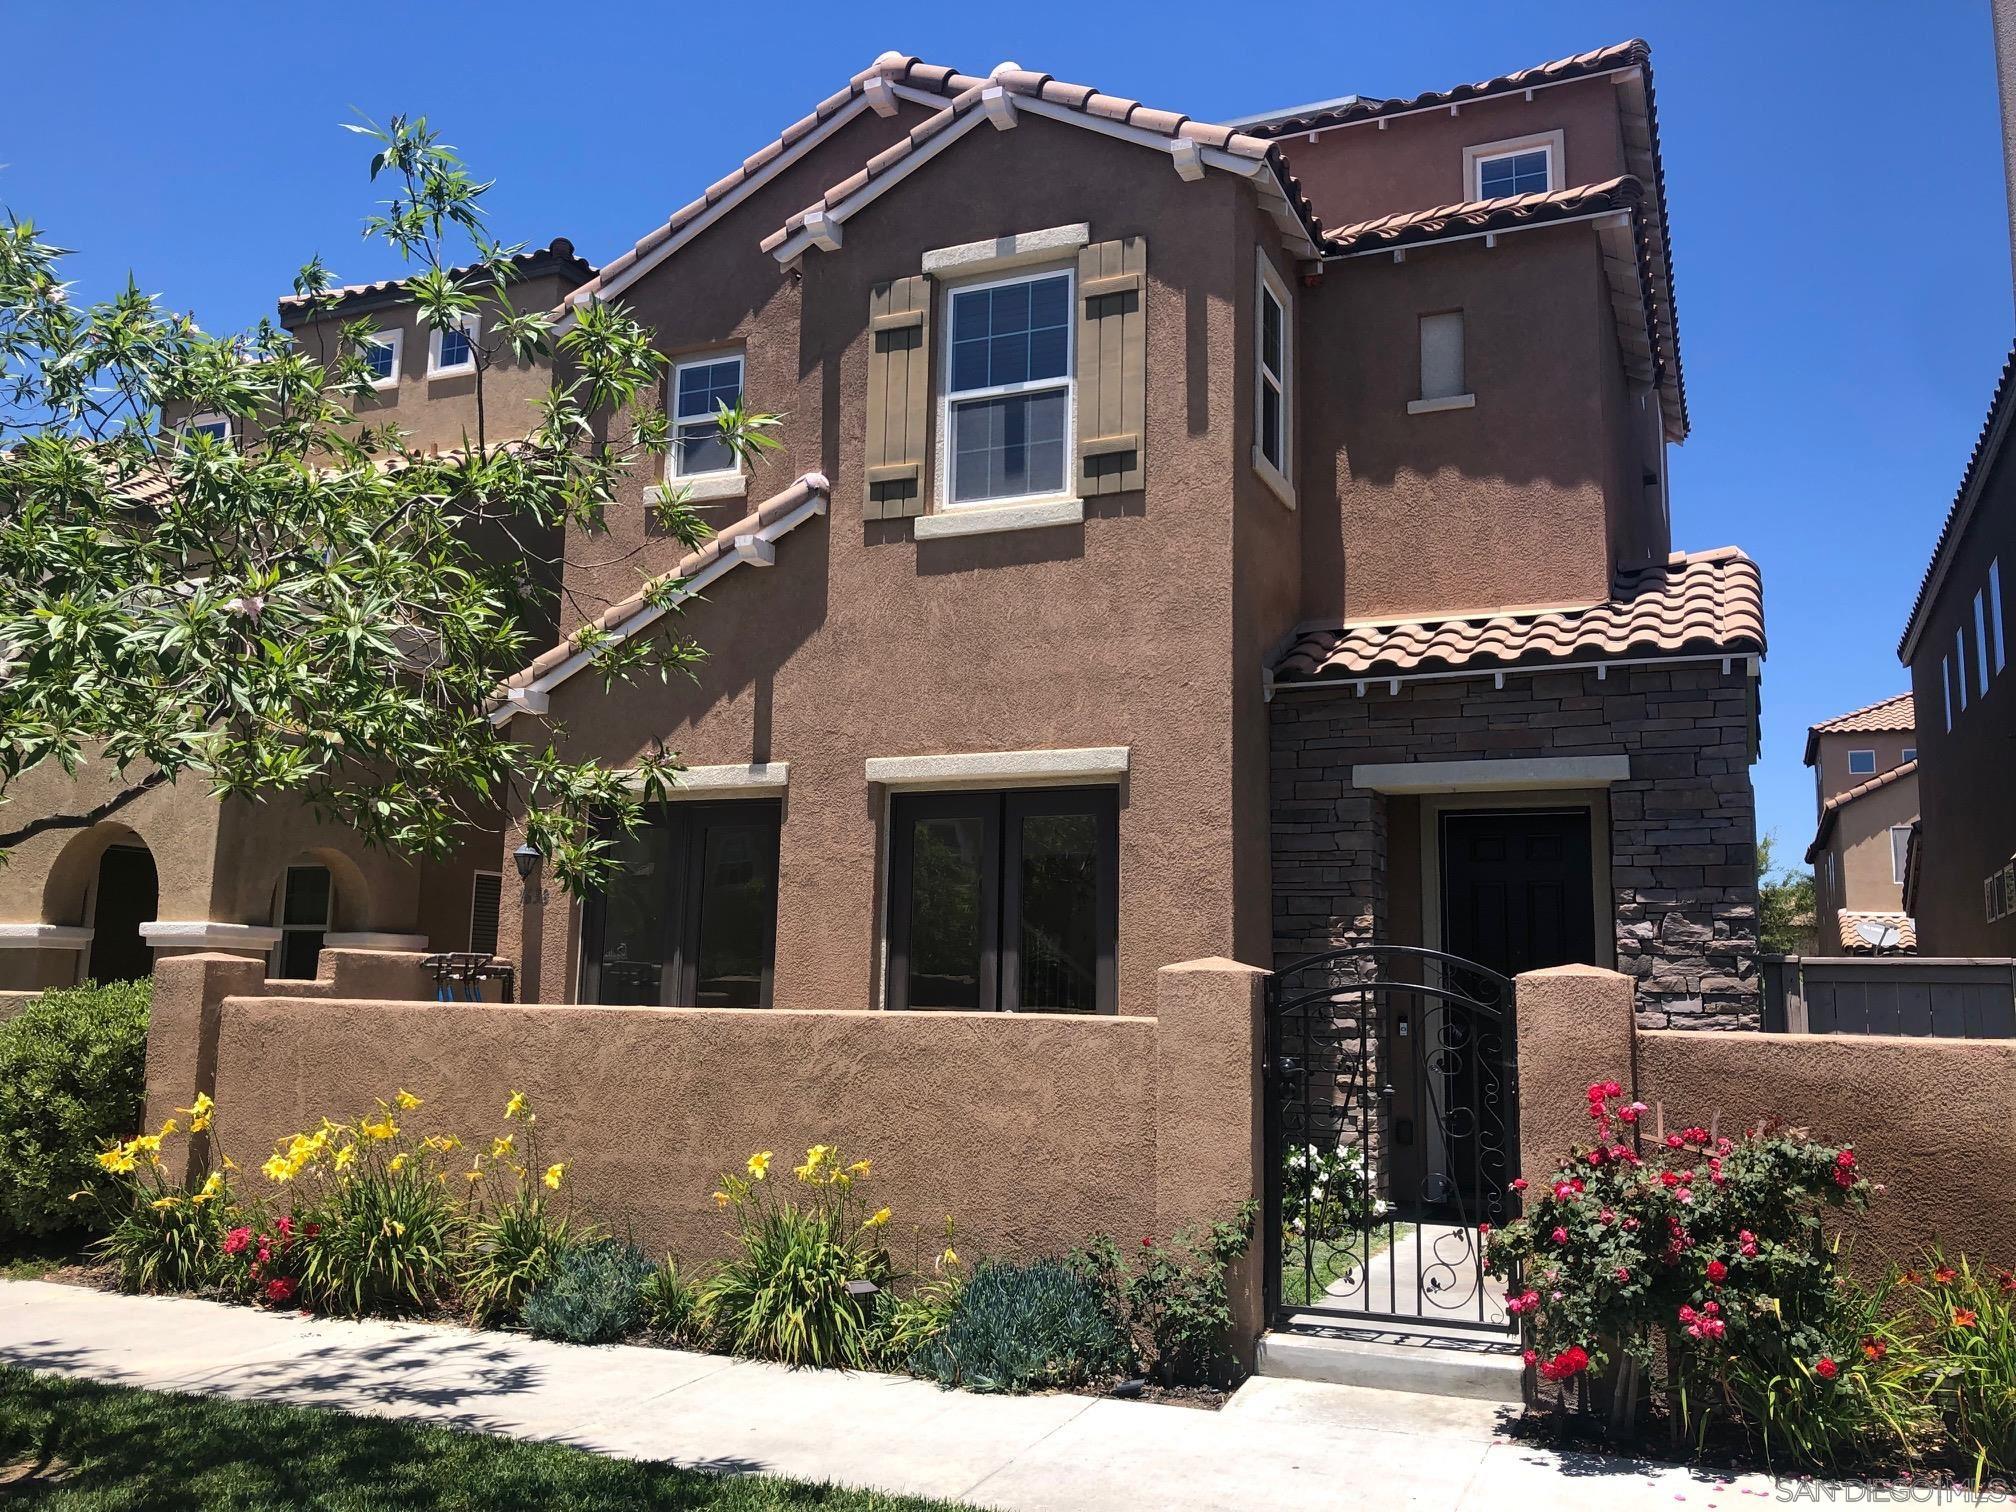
702 489
1436 406
1271 476
990 520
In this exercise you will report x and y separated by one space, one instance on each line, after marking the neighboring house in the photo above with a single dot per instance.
1957 644
177 870
1184 539
1865 774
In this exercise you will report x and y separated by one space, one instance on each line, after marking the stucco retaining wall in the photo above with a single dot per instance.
1033 1131
1930 1119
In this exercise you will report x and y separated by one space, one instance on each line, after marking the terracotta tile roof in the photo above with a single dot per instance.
1962 507
1846 796
1407 228
965 93
1846 919
1699 602
1893 715
635 613
556 257
1598 61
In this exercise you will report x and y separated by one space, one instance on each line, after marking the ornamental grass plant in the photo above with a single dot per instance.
802 1284
1967 1316
163 1235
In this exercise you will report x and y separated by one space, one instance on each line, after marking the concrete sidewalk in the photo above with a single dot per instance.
1278 1444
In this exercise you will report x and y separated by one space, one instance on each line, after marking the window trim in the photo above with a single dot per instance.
471 325
1424 403
944 399
1898 852
196 423
395 339
1475 157
1981 636
1000 811
1268 284
1946 688
678 974
1960 663
673 476
1909 753
1995 606
1855 771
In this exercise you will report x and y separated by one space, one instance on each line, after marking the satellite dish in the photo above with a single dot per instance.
1876 936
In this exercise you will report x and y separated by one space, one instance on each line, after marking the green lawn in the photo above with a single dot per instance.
75 1446
1333 1258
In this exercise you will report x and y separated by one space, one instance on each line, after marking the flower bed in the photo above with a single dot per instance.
384 1215
1694 1276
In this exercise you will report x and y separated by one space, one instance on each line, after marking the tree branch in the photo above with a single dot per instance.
86 819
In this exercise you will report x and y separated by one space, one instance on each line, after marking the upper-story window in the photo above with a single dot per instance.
1861 763
1273 418
452 349
1910 754
1900 850
1518 165
1960 665
1008 392
1998 625
215 425
381 357
1946 689
702 387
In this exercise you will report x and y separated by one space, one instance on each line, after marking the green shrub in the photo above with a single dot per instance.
1968 1316
1016 1328
73 1067
513 1251
1177 1299
672 1305
596 1295
162 1234
795 1292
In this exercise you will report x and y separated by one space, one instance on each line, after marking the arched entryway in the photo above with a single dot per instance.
316 894
125 894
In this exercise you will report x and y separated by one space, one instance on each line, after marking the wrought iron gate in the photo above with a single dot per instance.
1392 1132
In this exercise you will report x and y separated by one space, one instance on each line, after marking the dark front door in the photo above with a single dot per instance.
1516 894
128 894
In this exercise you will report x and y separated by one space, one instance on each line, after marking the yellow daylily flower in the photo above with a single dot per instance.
146 1144
213 1187
116 1159
474 1175
230 1164
816 1159
199 1112
516 1106
397 1162
163 1204
345 1155
501 1146
759 1164
553 1174
278 1168
720 1199
406 1100
168 1126
442 1142
881 1216
379 1128
859 1168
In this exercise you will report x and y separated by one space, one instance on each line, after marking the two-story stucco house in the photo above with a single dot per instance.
1185 539
1865 793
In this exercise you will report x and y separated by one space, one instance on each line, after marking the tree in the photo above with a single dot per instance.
298 609
1785 905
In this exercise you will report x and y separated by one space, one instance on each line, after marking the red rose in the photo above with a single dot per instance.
280 1289
1572 1361
1517 1183
1825 1368
236 1240
1717 1272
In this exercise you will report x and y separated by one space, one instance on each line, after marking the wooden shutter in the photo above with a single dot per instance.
1112 365
899 397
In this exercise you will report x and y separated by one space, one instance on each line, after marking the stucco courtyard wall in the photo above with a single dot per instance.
1032 1131
1931 1119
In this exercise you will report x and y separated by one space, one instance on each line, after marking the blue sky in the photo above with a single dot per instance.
1834 173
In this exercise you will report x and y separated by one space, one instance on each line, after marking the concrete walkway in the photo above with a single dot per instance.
1278 1444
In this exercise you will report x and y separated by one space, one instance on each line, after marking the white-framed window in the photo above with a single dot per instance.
211 424
1960 665
1006 414
307 903
2001 625
452 349
1442 375
1910 754
1861 763
702 387
381 353
1946 689
1273 380
1900 844
1517 165
486 901
1981 637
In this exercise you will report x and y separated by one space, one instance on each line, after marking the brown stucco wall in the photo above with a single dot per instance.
1034 1131
1358 172
1966 801
862 641
1860 840
1503 505
1830 758
1929 1119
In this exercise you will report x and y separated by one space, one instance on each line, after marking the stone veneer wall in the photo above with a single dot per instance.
1683 827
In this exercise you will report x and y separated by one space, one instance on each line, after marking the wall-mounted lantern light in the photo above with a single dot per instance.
527 857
